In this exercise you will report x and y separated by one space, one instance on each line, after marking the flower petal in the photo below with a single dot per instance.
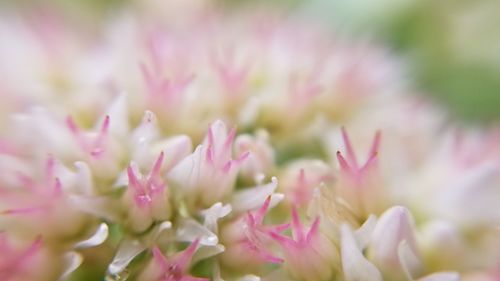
355 266
97 239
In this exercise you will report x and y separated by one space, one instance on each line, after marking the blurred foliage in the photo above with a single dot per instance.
85 13
455 53
453 46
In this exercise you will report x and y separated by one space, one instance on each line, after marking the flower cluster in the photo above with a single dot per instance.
254 148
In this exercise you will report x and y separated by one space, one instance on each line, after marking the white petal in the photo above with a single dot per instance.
143 135
190 230
97 239
205 252
84 178
250 278
176 148
214 213
219 133
395 225
442 276
118 115
355 266
99 206
148 128
121 180
475 189
364 233
127 251
253 198
187 172
72 261
159 229
409 261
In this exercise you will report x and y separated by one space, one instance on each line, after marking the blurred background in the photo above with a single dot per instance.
451 47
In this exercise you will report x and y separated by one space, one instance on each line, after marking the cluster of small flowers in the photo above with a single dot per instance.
310 159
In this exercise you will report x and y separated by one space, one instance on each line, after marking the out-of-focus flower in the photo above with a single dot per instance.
300 179
359 183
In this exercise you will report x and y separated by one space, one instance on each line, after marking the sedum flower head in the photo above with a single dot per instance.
222 148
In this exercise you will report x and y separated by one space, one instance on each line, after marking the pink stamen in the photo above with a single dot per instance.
49 180
37 244
306 91
243 157
15 260
98 143
229 139
154 45
22 211
231 76
227 167
132 179
300 238
313 231
297 228
210 137
255 230
210 155
302 177
95 149
185 256
72 125
50 167
175 269
157 166
259 216
350 165
160 258
146 189
302 190
26 181
285 241
376 144
351 156
343 163
161 87
57 187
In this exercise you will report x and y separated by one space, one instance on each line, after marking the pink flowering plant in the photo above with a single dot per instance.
222 148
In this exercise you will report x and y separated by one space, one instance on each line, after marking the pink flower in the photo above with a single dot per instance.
359 184
41 206
302 177
349 165
92 143
172 269
146 197
164 86
308 255
257 234
248 240
209 173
